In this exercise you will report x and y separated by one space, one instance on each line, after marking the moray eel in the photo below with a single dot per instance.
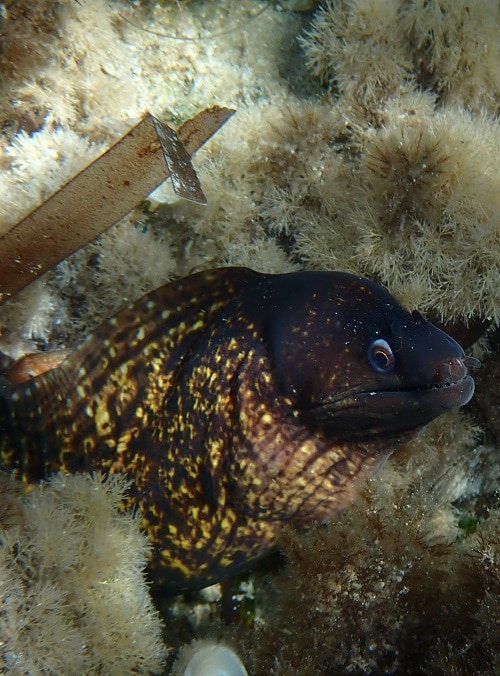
236 402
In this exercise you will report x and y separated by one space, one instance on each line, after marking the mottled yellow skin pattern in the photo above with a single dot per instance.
189 394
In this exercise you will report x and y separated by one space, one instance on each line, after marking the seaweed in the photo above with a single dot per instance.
104 192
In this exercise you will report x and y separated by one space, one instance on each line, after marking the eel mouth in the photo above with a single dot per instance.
392 410
445 394
451 387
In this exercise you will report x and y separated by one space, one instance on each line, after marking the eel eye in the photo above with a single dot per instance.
380 356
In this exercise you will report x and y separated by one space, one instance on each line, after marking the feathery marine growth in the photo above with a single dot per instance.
237 402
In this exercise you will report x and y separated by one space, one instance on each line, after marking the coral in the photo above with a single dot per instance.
424 213
255 159
455 49
430 204
27 30
423 193
372 49
121 265
369 594
74 597
38 164
354 42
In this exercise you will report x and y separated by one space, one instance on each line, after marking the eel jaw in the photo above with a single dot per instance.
365 413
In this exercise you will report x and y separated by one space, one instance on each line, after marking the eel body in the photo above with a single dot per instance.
236 402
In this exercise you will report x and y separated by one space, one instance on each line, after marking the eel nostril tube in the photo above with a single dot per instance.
457 368
471 362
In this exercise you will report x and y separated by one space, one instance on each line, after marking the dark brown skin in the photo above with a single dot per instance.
237 402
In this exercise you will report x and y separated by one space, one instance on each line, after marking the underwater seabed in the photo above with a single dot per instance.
366 139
